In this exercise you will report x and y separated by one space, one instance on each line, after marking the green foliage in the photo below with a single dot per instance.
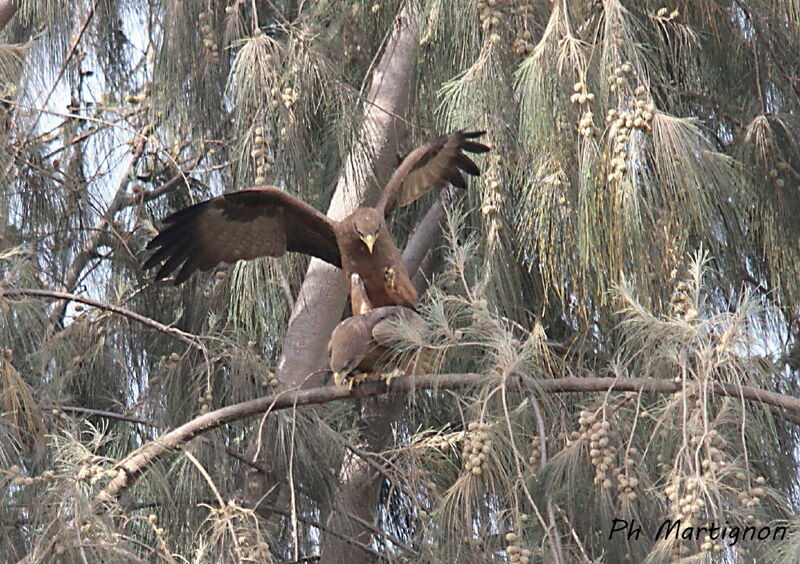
636 218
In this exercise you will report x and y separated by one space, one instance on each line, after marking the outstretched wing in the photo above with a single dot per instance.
433 165
259 222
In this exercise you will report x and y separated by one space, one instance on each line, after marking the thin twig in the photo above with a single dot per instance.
215 490
553 532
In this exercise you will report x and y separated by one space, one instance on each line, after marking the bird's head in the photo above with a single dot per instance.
347 347
368 223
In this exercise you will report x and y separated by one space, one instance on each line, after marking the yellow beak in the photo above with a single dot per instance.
369 241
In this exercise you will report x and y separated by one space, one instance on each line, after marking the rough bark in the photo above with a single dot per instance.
321 299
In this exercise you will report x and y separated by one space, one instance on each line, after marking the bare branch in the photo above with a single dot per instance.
65 297
138 461
425 235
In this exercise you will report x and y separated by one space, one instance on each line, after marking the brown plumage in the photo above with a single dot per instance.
266 221
360 343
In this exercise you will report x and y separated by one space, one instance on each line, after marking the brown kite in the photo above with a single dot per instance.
266 221
360 343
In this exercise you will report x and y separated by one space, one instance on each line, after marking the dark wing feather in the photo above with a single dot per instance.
433 165
241 225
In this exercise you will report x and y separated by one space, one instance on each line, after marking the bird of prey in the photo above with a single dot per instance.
360 343
266 221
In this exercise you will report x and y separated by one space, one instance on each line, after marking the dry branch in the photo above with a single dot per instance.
66 297
138 461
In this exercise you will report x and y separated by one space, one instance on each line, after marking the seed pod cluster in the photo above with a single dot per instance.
775 174
523 44
535 459
582 97
209 43
289 96
627 484
205 400
713 442
643 111
261 155
686 507
477 447
681 303
597 432
639 115
492 198
619 75
516 554
710 546
752 497
268 380
490 16
94 473
231 10
665 15
621 136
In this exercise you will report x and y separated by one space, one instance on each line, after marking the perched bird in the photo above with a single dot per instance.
266 221
359 344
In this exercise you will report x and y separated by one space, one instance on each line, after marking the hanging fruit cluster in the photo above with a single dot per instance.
209 43
261 155
477 447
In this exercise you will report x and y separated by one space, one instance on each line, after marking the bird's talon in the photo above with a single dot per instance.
389 376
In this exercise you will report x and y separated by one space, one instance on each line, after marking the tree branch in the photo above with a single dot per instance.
66 297
138 461
87 251
425 234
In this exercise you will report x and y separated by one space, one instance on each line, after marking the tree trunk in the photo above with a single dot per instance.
322 296
7 10
319 304
362 484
